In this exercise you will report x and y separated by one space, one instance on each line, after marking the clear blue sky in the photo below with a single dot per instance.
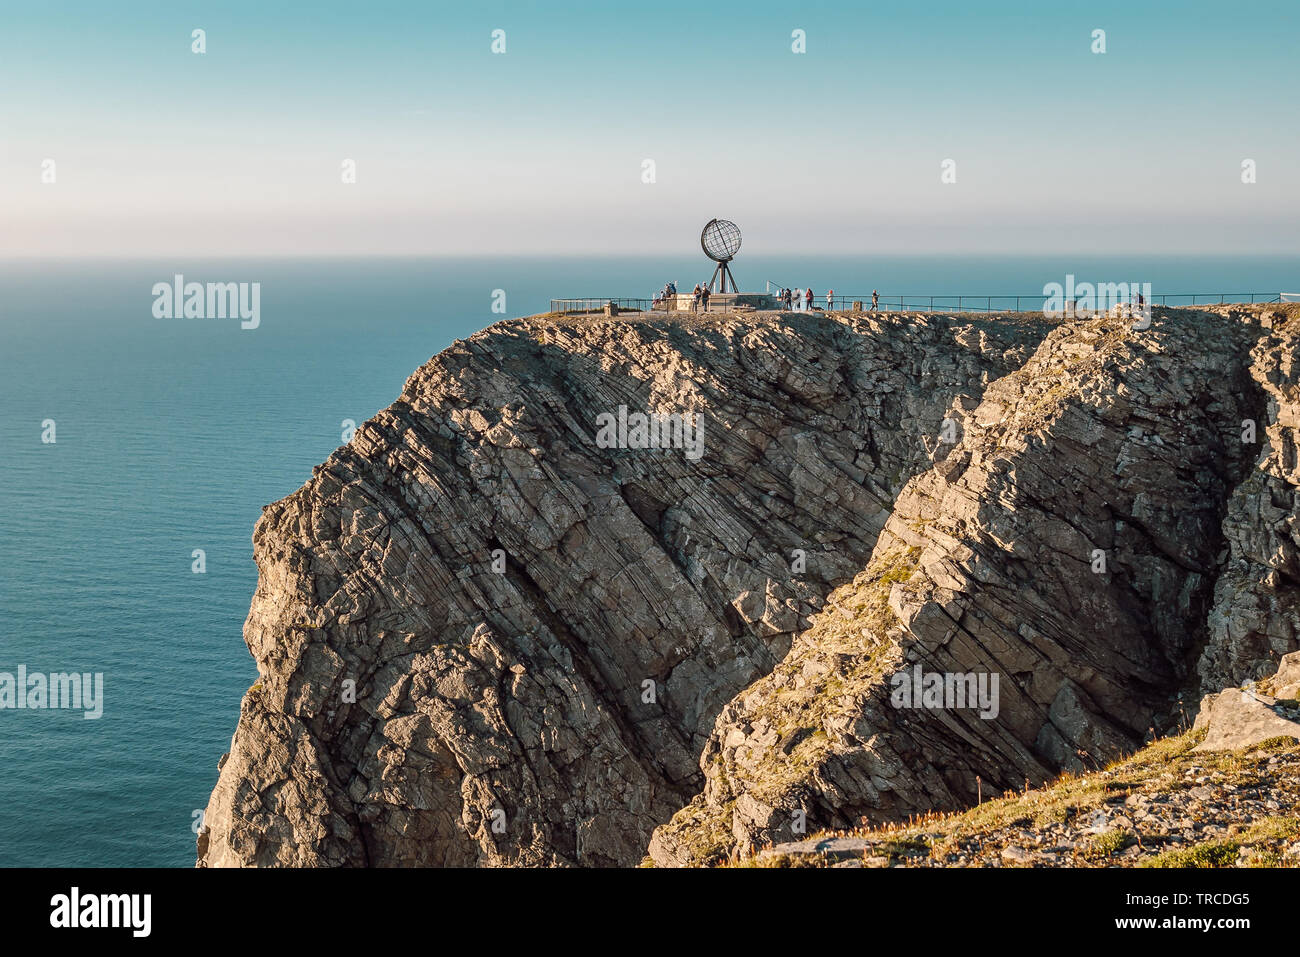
239 150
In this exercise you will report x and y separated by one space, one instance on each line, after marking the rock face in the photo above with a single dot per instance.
912 562
1067 546
1256 617
486 639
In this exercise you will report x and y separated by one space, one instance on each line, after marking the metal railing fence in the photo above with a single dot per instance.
916 303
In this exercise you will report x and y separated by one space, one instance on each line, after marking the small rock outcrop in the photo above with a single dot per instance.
1243 717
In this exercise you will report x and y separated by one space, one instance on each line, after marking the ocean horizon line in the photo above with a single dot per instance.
605 255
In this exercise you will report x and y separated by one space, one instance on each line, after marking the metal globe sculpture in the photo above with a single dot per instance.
720 240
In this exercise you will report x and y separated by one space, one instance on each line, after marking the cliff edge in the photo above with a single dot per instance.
595 586
486 638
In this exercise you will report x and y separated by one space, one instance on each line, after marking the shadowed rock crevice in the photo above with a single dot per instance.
1256 615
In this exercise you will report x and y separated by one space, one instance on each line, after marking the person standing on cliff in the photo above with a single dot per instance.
808 300
875 300
704 296
830 299
695 298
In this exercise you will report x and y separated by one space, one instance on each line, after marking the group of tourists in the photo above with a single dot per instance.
666 295
791 300
794 299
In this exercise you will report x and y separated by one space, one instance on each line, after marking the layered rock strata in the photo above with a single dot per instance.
487 638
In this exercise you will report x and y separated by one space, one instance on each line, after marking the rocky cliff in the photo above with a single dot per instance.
490 633
1256 614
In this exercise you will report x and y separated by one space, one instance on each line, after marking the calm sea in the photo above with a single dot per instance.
172 434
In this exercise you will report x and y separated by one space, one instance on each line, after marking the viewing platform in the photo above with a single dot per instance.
769 302
682 302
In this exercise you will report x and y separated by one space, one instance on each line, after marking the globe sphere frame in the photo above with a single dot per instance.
720 239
